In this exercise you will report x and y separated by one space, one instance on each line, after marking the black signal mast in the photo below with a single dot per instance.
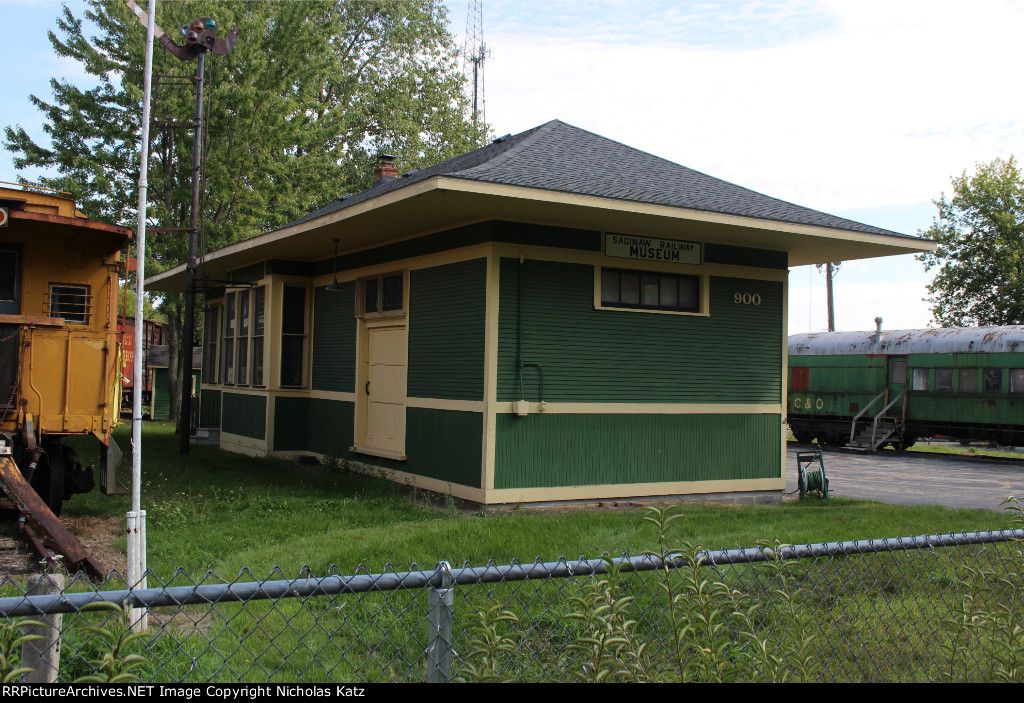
200 37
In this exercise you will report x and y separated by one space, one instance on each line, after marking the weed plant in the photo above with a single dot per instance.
215 516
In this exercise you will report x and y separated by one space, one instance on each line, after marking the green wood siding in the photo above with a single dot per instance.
590 355
477 233
447 305
161 397
244 415
313 424
334 339
745 256
442 444
209 408
585 450
248 274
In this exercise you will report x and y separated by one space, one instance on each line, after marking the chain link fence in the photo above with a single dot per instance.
934 608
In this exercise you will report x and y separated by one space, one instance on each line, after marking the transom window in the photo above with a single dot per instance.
70 302
382 294
643 290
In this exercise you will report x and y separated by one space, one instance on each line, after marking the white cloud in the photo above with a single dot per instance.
876 109
899 303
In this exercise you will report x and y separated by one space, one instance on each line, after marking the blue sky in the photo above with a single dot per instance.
863 109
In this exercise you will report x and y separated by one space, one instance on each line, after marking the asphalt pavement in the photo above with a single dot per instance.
917 478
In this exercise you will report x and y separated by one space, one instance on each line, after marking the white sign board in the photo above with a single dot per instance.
629 246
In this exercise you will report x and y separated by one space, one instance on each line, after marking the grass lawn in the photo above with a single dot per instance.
214 510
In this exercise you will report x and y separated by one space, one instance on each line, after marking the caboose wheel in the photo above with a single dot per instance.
48 480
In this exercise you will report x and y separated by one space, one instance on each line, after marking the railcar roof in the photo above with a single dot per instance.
945 340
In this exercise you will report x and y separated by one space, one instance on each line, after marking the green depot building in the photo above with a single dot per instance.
554 316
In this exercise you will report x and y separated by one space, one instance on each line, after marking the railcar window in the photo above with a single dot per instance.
920 379
70 302
944 380
1017 380
293 335
968 380
228 362
899 371
993 380
650 291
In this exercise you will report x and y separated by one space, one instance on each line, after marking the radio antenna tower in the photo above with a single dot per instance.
474 53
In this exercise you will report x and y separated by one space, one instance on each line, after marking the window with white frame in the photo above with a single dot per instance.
646 290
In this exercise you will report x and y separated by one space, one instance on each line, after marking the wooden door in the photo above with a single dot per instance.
385 388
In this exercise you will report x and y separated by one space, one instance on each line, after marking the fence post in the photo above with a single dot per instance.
439 645
43 656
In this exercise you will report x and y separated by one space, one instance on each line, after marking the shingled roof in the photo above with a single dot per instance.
560 157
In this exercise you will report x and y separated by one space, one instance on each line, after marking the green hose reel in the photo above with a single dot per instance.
811 477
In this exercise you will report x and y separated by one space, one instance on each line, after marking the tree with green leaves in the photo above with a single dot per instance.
297 112
980 254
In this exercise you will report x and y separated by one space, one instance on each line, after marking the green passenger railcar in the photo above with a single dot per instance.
871 389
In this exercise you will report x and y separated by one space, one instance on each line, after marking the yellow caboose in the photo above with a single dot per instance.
59 346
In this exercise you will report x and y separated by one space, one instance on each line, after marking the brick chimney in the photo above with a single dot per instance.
385 169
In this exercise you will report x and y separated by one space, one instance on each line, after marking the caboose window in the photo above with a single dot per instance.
70 302
650 291
944 380
8 275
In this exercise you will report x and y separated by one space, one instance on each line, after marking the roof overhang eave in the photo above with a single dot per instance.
445 201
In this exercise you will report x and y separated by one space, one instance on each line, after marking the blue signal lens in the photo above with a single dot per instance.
210 24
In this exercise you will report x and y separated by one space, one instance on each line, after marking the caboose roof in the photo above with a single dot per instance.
946 340
562 175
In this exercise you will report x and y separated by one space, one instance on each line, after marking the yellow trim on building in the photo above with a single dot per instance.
548 408
243 445
474 406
